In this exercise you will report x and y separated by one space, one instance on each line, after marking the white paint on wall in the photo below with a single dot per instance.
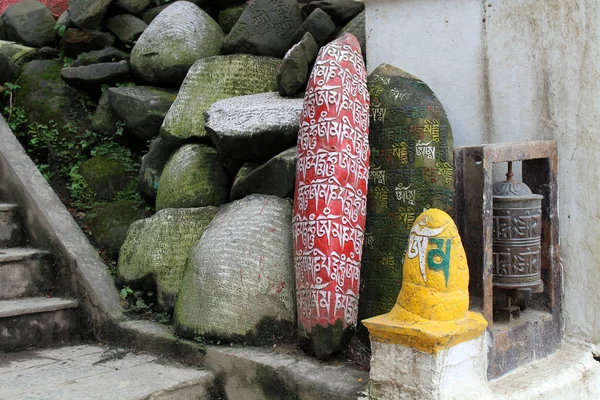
513 70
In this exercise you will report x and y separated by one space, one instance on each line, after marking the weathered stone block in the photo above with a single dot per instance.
294 70
143 108
178 36
157 247
239 278
254 127
213 79
30 23
266 28
193 177
276 177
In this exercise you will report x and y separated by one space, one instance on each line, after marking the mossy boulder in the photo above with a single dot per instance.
156 249
193 177
143 108
239 281
29 22
230 16
88 14
108 223
178 36
45 97
106 176
212 79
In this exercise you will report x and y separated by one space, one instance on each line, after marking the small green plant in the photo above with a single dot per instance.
135 300
125 84
199 340
163 318
67 61
60 29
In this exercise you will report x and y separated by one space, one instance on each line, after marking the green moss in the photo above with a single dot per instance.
108 223
158 246
193 177
105 176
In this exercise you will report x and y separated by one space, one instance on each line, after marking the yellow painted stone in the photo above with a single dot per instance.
431 312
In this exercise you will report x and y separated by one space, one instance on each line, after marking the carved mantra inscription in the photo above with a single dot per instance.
411 171
331 187
517 245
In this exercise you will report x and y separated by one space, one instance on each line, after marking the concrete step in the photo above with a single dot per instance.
24 272
100 373
11 233
37 321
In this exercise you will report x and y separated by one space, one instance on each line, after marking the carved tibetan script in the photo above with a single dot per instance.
331 187
411 171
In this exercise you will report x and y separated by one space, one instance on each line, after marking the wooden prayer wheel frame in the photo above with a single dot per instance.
539 332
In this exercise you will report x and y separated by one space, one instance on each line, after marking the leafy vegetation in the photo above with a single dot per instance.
59 155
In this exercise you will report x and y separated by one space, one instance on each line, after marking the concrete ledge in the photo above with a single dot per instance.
570 373
259 373
250 372
51 227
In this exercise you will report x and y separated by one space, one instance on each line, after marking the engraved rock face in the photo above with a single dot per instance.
143 108
277 177
213 79
294 70
193 177
266 27
181 34
331 195
88 14
157 247
239 278
411 170
254 127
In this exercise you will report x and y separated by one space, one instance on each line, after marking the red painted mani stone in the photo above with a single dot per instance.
331 195
57 7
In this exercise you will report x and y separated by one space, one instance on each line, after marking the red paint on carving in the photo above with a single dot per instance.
57 7
272 230
331 187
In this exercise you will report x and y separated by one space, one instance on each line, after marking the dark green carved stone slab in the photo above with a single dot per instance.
411 170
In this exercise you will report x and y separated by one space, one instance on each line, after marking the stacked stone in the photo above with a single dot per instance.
210 93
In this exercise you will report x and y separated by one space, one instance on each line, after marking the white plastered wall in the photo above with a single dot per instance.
512 70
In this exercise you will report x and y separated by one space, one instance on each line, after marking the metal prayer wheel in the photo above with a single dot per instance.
517 218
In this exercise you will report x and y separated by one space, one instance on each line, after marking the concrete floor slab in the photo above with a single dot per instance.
97 372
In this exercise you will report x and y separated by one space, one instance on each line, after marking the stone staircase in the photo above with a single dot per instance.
32 313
